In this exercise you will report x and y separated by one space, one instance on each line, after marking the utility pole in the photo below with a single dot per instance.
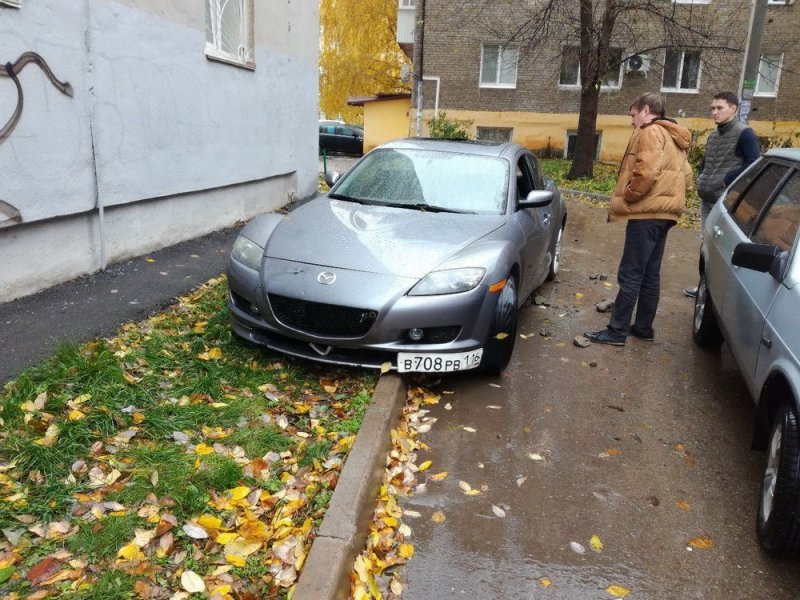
418 60
752 60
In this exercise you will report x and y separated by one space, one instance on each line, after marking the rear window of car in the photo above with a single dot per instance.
779 224
746 212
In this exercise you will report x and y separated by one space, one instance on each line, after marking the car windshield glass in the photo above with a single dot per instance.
419 178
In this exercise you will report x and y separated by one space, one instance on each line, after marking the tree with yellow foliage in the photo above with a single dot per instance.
359 55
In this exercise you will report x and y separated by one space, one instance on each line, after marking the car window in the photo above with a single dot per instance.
746 211
448 180
524 178
339 131
533 164
737 189
780 222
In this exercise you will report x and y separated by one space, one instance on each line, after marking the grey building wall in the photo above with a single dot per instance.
157 143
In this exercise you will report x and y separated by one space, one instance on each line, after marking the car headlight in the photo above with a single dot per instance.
247 252
450 281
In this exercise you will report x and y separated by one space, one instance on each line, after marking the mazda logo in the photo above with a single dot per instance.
326 278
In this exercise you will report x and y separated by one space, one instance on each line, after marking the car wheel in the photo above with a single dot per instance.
555 255
706 330
503 333
777 522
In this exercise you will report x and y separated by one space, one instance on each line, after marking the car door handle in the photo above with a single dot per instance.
766 342
717 232
546 219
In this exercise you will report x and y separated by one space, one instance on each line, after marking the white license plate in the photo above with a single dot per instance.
438 363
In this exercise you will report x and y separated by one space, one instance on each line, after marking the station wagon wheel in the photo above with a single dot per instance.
503 333
777 524
705 329
555 259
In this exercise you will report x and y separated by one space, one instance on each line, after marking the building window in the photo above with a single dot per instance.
495 134
570 74
572 140
691 1
406 4
11 3
780 2
681 71
769 73
229 32
499 66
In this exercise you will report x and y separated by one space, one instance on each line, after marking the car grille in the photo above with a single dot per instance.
322 319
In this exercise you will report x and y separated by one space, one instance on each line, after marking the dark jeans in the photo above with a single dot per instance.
639 275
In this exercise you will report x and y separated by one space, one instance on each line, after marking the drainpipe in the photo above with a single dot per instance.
752 59
418 63
438 81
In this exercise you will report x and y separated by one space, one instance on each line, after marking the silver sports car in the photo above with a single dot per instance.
418 259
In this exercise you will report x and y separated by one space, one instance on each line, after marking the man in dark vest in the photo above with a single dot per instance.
730 148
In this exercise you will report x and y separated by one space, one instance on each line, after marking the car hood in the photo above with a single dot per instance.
375 239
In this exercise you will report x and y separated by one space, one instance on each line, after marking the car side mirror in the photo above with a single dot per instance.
331 177
536 199
765 258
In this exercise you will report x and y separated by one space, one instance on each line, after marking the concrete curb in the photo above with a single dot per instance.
601 197
343 532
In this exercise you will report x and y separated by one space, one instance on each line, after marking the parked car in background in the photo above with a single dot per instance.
749 296
337 136
418 259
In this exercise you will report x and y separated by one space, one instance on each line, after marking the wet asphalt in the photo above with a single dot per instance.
646 447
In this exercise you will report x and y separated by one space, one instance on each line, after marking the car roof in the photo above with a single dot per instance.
790 153
477 147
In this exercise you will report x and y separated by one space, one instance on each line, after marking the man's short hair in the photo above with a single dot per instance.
729 97
656 101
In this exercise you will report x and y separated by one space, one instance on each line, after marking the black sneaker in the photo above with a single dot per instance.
691 292
647 337
605 337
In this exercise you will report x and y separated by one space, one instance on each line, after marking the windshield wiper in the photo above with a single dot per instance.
425 207
348 198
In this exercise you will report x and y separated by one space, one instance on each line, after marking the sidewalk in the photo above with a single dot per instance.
95 305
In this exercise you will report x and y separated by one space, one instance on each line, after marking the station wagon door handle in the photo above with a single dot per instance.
546 219
717 232
766 342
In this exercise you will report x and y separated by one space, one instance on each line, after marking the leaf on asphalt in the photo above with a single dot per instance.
411 513
469 429
192 582
438 476
535 456
702 542
499 512
386 367
545 582
577 548
501 336
618 591
578 295
521 480
425 466
438 517
493 406
495 385
467 489
683 505
448 406
406 551
595 543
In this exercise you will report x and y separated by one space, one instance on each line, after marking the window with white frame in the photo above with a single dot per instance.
769 73
570 73
406 4
681 71
691 1
11 3
499 66
229 31
780 2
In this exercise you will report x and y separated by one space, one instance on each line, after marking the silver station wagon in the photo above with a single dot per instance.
749 296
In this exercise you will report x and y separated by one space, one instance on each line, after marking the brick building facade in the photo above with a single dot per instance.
479 66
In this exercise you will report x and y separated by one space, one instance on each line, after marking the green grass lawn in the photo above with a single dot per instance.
171 458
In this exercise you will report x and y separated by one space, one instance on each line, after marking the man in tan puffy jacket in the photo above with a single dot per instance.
650 195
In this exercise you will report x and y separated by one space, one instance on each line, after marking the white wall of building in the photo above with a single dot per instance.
162 142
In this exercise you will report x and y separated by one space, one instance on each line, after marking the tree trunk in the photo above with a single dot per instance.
583 161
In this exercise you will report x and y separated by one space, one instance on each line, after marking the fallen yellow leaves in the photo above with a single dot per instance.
702 542
618 591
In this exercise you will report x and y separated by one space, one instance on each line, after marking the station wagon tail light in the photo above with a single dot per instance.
450 281
247 252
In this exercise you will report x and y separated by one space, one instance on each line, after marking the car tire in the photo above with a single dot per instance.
777 522
503 333
705 328
555 255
